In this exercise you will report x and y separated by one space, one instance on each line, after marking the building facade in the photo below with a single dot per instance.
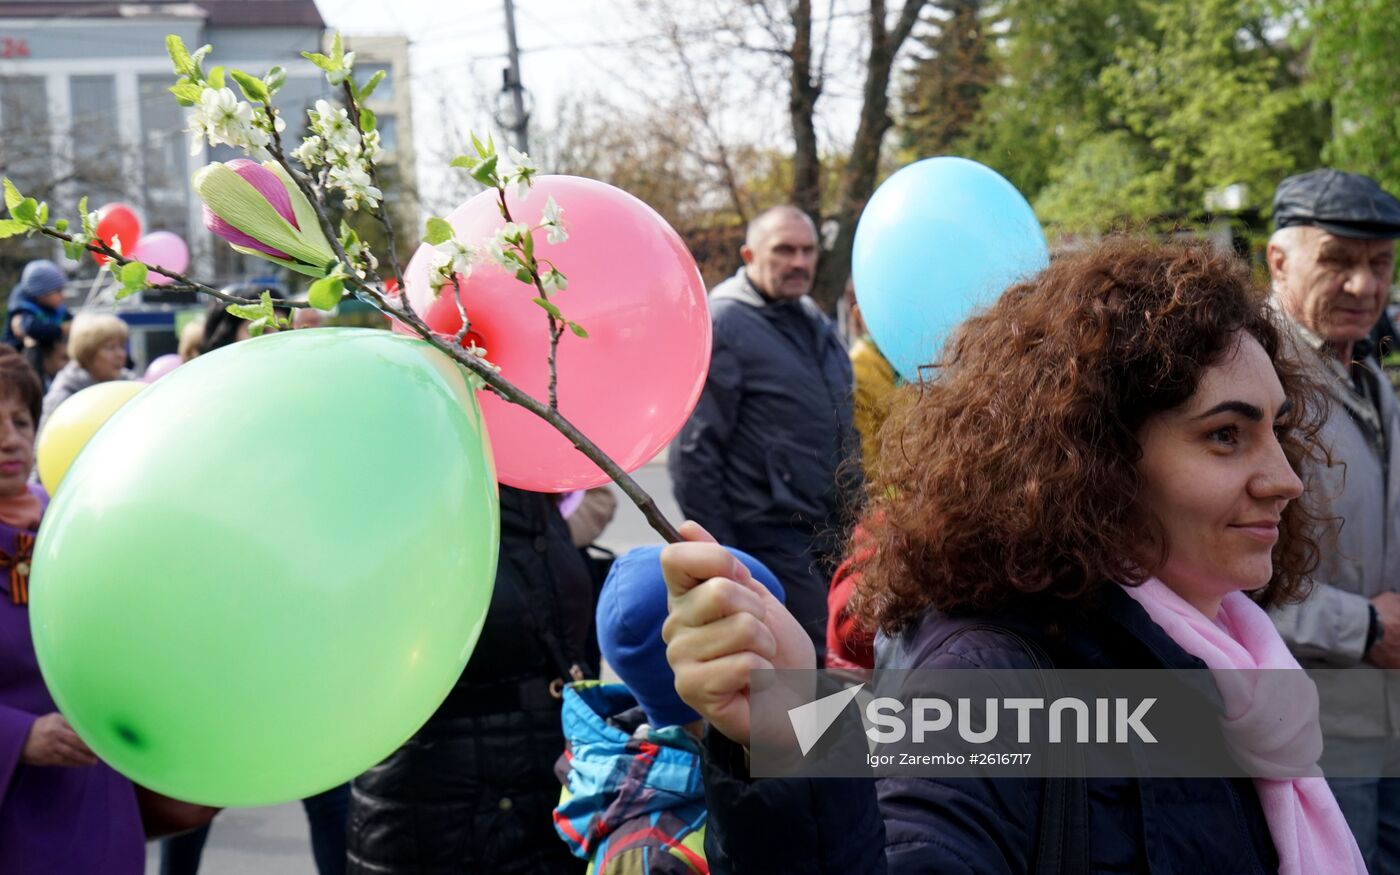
85 106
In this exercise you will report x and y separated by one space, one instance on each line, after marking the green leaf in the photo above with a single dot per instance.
464 162
338 51
216 77
73 249
11 227
438 231
251 86
523 275
549 308
527 242
186 92
372 84
42 216
258 326
179 56
275 79
321 61
245 311
485 172
12 195
367 119
578 330
133 277
326 292
198 60
476 144
61 225
27 211
84 218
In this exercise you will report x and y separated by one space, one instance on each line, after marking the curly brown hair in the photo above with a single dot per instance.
1011 478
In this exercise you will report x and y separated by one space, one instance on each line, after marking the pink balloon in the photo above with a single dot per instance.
633 285
162 249
161 366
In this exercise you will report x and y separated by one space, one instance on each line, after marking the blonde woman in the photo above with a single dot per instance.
97 354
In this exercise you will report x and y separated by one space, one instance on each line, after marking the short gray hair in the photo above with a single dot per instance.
759 225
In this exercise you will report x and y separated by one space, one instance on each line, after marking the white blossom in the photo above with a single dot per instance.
311 152
523 173
553 219
454 257
497 252
334 125
553 280
354 181
220 117
370 149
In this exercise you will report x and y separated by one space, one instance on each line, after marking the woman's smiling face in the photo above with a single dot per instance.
1216 479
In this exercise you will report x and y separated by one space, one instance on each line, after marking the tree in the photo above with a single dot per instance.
942 95
1204 102
1353 74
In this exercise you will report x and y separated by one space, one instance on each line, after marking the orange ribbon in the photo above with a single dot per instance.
18 566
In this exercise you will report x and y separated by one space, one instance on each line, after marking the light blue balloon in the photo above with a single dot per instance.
939 239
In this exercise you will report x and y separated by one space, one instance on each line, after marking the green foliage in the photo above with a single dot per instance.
11 227
578 330
1110 111
438 231
943 93
1353 73
254 89
363 93
548 307
1204 105
133 279
326 292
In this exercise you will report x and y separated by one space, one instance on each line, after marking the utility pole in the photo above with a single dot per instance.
517 120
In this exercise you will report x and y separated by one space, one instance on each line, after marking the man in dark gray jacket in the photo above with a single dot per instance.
1332 261
769 461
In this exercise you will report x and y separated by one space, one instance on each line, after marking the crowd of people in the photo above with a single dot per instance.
1140 457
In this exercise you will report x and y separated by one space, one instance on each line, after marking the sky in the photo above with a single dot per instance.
571 49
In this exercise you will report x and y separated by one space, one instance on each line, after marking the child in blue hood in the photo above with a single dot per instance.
36 308
633 800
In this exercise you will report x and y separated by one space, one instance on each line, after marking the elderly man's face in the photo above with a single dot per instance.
1334 286
783 262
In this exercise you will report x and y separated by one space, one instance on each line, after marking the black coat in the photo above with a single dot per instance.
1200 826
474 789
769 461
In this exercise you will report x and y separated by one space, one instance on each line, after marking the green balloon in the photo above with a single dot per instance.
267 570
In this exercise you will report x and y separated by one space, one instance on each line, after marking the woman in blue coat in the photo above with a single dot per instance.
1106 473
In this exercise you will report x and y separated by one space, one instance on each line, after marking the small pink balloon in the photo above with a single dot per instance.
633 285
161 366
162 249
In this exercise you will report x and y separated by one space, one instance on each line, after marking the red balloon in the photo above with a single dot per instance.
633 285
117 221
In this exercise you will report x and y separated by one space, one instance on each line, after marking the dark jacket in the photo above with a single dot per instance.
43 324
908 825
474 789
763 447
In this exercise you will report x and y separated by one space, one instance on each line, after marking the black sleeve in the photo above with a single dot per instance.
699 457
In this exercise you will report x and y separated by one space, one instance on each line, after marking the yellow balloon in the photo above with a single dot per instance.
73 424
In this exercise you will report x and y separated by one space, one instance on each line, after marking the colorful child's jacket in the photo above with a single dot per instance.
633 802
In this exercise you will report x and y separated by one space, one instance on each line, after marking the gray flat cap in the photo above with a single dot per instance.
1345 204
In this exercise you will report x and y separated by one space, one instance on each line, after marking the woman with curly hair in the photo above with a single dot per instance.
1106 466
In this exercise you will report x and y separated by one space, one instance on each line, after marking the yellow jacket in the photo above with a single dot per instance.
875 382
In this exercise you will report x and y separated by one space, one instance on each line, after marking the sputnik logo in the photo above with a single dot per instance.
811 721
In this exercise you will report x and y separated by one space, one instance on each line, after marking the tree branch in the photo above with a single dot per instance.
382 214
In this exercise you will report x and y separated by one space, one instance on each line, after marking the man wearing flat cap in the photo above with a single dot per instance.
1332 263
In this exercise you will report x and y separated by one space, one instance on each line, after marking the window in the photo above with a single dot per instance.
24 134
97 148
387 125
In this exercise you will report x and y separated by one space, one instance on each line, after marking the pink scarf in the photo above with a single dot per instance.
1270 723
